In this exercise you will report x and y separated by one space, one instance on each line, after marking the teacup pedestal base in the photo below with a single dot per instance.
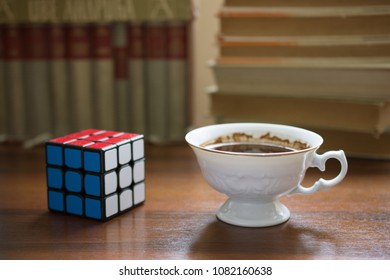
253 213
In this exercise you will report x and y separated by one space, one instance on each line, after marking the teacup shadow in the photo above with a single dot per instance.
284 241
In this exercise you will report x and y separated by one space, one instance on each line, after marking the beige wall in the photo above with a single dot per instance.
204 48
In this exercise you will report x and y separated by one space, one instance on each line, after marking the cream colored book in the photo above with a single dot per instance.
303 3
369 117
306 46
356 144
304 12
289 21
343 78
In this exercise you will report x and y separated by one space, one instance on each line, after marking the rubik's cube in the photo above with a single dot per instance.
95 173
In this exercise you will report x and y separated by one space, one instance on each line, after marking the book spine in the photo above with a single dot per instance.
58 80
361 82
157 81
36 73
302 3
307 51
303 12
122 102
13 81
103 76
78 54
299 26
136 77
355 144
305 46
369 117
177 79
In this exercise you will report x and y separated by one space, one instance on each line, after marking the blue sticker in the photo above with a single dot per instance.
73 158
92 161
93 208
54 155
74 205
56 201
73 181
92 184
55 178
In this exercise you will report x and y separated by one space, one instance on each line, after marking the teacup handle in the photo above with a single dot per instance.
319 162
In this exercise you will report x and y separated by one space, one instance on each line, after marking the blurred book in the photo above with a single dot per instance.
355 143
344 78
308 20
303 3
305 46
361 129
371 117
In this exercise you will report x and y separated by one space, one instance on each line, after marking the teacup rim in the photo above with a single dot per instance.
310 148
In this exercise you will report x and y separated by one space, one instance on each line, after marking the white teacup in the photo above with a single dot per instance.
254 181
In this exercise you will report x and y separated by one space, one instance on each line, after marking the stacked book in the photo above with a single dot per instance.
69 65
324 66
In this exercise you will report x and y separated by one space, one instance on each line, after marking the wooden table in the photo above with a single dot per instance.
177 221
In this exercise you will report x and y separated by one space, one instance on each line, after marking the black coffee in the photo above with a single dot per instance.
250 148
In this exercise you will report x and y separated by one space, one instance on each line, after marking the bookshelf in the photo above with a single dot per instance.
70 65
324 66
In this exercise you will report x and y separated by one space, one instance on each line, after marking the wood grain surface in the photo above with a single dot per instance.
177 220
